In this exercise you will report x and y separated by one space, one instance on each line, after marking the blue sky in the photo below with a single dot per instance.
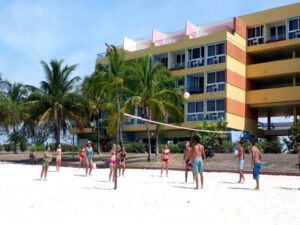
31 31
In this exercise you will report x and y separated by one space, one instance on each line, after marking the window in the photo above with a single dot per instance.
208 110
196 57
294 28
215 81
215 53
215 109
180 82
195 111
255 35
277 33
195 83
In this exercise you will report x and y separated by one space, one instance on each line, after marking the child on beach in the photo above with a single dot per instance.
165 159
255 162
112 162
32 158
89 158
122 157
198 158
81 156
58 157
45 163
187 157
240 163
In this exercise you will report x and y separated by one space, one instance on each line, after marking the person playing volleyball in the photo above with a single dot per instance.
112 162
122 157
89 154
47 158
187 157
240 156
165 159
255 162
81 155
198 158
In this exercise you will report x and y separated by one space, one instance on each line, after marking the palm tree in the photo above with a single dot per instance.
57 101
110 83
12 96
154 92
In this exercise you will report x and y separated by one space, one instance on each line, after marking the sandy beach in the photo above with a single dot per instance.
143 197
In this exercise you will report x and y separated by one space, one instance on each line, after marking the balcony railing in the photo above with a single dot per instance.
177 66
275 126
195 63
169 40
195 90
275 38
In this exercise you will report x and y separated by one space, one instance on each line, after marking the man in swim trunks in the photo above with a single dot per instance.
240 156
198 157
187 157
255 162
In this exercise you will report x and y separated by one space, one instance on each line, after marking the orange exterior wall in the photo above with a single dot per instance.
239 27
239 109
236 53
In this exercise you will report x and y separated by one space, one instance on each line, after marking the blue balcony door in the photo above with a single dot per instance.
195 84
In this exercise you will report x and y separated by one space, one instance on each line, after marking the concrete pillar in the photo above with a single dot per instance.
295 115
294 54
294 81
269 120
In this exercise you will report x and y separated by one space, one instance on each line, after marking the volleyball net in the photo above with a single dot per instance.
138 118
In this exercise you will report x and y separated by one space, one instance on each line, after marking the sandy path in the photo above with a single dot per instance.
143 197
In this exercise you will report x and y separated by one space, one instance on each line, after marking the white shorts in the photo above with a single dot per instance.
241 164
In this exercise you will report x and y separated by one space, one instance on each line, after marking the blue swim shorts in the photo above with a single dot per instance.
197 165
256 170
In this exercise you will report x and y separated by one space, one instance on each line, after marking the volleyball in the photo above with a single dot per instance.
186 95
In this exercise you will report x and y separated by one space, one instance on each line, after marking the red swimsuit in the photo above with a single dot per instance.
166 153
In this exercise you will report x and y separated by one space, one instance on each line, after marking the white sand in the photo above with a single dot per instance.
143 197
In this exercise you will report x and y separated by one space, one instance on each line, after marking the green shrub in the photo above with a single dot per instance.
227 146
23 146
8 147
135 147
273 146
37 148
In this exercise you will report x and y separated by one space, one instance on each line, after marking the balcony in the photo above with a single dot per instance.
177 66
275 38
273 97
196 63
274 68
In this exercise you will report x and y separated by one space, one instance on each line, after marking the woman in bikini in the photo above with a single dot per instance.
122 157
81 156
45 163
112 162
58 157
165 159
89 158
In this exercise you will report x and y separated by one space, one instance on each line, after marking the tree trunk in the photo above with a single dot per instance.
121 135
15 141
156 140
57 134
149 142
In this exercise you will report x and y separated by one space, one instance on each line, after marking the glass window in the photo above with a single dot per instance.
196 53
210 106
220 49
220 105
293 24
220 76
211 50
211 78
199 107
191 107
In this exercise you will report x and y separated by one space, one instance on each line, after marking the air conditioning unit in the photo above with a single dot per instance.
215 88
216 60
255 41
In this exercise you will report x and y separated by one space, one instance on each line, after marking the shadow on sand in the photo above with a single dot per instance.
227 182
241 188
288 189
99 188
183 187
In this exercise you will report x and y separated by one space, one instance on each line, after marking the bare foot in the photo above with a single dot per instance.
256 189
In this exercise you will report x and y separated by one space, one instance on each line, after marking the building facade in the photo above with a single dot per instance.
240 69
